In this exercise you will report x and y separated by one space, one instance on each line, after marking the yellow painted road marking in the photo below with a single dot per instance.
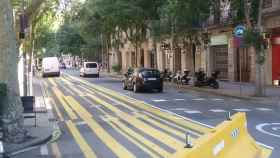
55 150
150 148
186 123
104 136
60 96
84 146
159 135
52 82
170 124
57 110
79 92
142 139
66 81
162 126
138 137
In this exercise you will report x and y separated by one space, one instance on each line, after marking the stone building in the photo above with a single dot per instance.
235 64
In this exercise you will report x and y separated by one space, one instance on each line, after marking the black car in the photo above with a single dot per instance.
143 79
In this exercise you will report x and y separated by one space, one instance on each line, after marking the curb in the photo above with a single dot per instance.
28 147
204 90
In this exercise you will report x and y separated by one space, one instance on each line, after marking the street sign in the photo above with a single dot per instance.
238 36
239 31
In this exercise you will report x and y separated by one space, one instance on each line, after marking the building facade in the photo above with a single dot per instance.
235 64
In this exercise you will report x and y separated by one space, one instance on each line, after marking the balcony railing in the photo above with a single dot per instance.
271 7
267 3
225 19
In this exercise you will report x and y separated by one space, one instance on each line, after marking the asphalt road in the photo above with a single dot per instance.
95 124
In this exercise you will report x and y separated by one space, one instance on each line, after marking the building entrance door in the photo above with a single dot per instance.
243 61
220 60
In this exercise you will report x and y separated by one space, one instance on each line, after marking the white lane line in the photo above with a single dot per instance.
199 99
192 112
80 123
236 100
242 110
1 147
159 100
44 150
179 109
217 99
179 99
263 109
218 110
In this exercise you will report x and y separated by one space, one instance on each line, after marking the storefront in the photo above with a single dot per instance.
275 58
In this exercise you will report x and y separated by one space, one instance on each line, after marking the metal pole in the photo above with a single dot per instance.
240 72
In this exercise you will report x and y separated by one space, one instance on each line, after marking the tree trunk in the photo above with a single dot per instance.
260 90
11 105
260 81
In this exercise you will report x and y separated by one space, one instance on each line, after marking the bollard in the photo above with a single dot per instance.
188 141
228 116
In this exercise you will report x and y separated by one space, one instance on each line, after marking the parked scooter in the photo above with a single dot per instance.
185 77
203 80
167 75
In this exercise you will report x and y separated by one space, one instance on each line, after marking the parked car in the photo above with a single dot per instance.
89 69
143 79
50 67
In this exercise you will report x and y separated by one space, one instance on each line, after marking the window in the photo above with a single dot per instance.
91 65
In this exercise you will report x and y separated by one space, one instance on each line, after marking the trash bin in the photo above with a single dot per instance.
27 103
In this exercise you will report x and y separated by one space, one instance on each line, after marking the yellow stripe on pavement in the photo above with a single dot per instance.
86 149
149 147
143 116
186 123
55 150
142 139
60 97
159 135
57 110
66 81
52 82
104 136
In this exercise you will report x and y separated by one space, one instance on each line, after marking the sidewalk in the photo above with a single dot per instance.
228 89
45 129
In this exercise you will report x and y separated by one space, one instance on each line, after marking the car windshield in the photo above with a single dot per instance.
151 73
91 65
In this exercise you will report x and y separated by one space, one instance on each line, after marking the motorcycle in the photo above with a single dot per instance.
185 78
203 80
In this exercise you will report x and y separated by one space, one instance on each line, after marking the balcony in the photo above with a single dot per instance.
224 20
271 7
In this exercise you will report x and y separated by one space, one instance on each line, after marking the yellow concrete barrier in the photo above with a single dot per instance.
230 139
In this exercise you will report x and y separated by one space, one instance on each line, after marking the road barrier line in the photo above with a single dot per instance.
104 136
204 127
143 143
159 135
55 150
158 124
185 122
84 146
59 95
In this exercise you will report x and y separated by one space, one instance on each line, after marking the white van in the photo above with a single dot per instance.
50 67
89 69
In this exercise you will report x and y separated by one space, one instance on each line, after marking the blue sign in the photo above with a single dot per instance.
239 31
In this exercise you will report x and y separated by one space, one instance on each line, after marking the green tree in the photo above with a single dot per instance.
250 12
